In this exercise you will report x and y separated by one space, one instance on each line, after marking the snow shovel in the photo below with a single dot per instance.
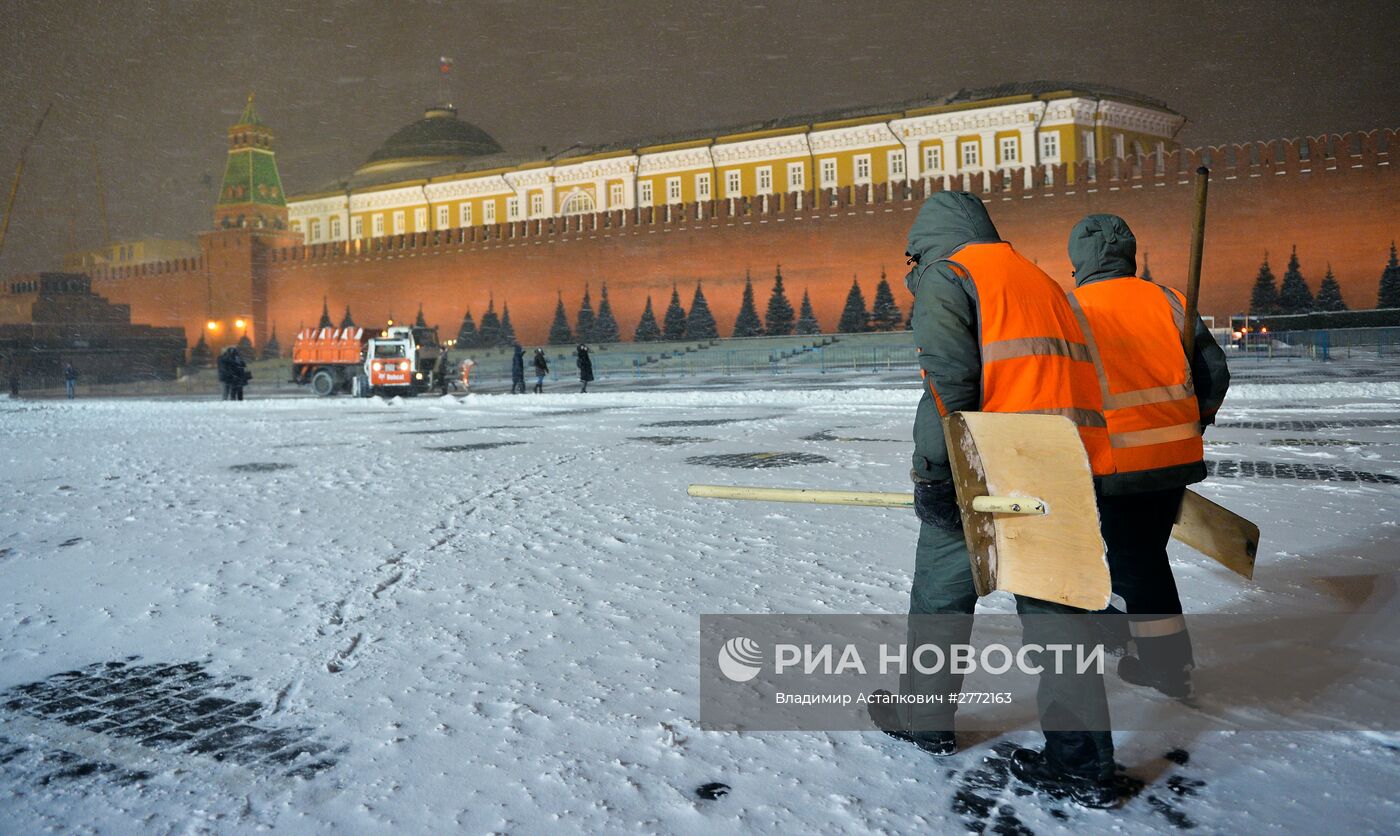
1027 501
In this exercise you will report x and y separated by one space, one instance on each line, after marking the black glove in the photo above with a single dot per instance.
936 504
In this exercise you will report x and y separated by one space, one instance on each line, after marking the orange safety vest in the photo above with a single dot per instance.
1034 355
1134 329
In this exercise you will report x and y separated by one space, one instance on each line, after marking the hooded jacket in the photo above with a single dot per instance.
1103 248
944 319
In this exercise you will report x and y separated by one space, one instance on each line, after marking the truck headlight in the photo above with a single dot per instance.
419 375
379 367
403 366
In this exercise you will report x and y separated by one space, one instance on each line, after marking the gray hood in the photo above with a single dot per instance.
947 221
1102 247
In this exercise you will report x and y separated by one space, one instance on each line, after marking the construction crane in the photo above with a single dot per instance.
19 172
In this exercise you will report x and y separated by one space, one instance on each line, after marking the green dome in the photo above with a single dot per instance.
437 137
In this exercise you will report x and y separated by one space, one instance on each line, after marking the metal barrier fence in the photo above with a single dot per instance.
722 362
1320 344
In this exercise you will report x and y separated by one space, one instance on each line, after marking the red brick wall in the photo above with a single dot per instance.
1337 198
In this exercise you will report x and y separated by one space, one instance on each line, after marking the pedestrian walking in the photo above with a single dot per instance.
541 369
517 371
233 374
1157 403
70 379
995 334
585 367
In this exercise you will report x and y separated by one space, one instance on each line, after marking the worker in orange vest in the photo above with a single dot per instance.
995 334
1157 404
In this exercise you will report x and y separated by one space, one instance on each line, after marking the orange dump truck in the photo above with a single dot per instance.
398 360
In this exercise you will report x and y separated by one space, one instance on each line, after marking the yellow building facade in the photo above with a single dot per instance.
441 173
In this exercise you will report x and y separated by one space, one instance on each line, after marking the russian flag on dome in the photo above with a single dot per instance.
444 65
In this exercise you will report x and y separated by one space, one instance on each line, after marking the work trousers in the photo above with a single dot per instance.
1073 707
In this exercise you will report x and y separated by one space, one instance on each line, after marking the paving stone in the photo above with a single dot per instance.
1301 472
1304 426
753 461
171 707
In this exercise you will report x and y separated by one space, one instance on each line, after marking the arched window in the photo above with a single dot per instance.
577 203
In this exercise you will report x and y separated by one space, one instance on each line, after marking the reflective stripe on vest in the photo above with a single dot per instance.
1135 341
1034 357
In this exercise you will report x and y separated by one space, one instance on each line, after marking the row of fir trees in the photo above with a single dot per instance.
677 323
1293 296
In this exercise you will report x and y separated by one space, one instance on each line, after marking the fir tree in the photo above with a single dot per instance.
272 350
420 322
1263 299
777 321
747 324
489 334
559 333
673 326
700 325
1389 296
886 315
1293 295
647 329
507 329
585 320
325 317
1329 294
855 317
807 324
200 356
347 321
605 328
466 334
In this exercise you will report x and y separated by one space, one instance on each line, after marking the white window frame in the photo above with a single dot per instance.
420 219
1120 145
444 216
615 195
895 160
764 178
733 183
315 234
644 193
536 204
400 222
673 190
702 186
828 177
970 153
464 214
335 227
861 167
1050 147
513 208
933 158
357 227
796 177
488 211
1010 144
377 224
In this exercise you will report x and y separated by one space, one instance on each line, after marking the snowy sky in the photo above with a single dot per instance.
153 85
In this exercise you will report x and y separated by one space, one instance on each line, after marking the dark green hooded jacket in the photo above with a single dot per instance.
945 319
1102 247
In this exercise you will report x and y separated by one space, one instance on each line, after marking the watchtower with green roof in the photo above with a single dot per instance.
251 195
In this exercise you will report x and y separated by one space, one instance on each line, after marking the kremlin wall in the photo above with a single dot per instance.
1336 197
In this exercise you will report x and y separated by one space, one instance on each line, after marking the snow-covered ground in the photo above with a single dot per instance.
482 615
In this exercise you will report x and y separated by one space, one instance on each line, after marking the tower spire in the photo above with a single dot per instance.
251 195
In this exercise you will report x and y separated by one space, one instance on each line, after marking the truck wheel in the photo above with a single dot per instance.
359 386
323 383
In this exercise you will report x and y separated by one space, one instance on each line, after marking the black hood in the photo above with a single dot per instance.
1102 247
